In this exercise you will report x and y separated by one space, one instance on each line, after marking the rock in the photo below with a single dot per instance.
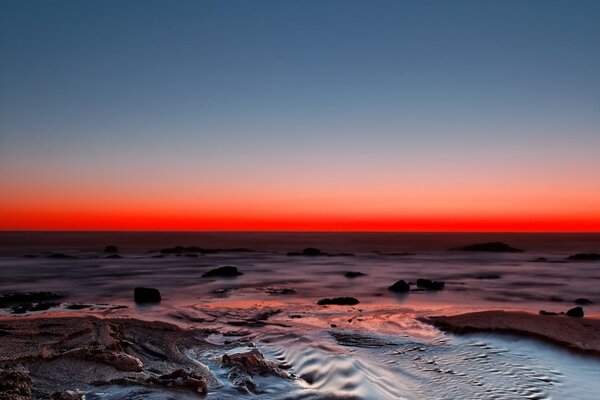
340 301
496 247
584 257
68 395
116 359
430 285
400 286
146 295
576 312
113 256
227 271
309 251
352 274
30 307
61 256
181 379
582 301
15 384
488 276
542 312
243 366
112 249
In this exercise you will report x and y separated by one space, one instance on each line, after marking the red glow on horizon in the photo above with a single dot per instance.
121 221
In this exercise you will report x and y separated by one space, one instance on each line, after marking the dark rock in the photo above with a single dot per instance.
61 256
488 276
113 256
576 312
584 257
429 284
243 366
400 286
30 307
112 249
582 301
227 271
539 259
146 295
191 255
181 379
309 251
542 312
180 250
496 247
15 384
340 301
352 274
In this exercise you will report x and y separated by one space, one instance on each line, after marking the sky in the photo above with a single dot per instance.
300 115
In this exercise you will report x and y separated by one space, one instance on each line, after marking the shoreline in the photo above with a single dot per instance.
578 334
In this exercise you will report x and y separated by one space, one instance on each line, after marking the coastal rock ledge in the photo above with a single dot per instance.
579 334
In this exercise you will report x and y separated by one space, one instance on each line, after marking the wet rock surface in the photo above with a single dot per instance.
244 365
430 285
15 383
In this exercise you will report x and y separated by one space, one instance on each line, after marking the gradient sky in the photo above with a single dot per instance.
300 115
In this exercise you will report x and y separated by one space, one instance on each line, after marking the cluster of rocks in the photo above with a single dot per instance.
314 252
402 286
493 247
245 365
576 312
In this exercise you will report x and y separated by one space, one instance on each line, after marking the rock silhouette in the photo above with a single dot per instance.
146 295
494 247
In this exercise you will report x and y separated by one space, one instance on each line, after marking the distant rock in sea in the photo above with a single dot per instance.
495 247
353 274
400 286
430 285
309 251
146 295
582 301
340 301
61 256
584 257
226 271
113 256
112 249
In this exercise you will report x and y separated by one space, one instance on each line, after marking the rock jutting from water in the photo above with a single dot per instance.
227 271
146 295
494 247
400 286
340 301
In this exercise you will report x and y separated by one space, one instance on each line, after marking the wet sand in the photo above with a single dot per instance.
580 334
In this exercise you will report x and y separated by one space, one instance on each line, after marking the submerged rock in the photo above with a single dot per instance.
584 257
544 312
309 251
352 274
243 366
430 285
146 295
582 301
112 249
15 384
340 301
182 379
68 395
495 247
114 256
400 286
226 271
576 312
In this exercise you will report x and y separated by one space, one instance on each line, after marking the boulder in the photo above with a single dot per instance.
68 395
576 312
340 301
111 249
181 379
584 257
495 247
226 272
429 284
243 366
146 295
400 286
